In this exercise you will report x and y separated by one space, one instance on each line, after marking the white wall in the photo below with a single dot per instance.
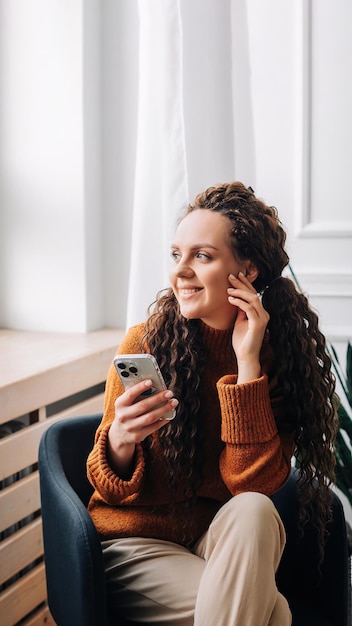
269 106
301 89
119 70
49 174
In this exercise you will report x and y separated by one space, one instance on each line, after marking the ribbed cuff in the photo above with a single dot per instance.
246 411
110 486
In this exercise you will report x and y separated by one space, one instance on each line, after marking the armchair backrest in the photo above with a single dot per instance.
74 563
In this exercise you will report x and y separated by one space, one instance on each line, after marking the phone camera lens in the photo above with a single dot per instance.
133 369
125 373
121 366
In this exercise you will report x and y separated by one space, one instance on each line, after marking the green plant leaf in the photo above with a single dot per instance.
345 422
343 482
334 354
349 373
342 451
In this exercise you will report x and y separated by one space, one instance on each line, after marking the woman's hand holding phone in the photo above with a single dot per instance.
136 416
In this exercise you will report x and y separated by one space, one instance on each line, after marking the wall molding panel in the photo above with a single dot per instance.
321 241
331 296
342 228
310 221
330 285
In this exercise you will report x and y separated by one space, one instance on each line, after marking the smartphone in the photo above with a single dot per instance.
132 368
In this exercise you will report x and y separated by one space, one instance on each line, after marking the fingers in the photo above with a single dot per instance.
243 295
136 417
238 296
241 281
250 305
132 393
252 319
134 402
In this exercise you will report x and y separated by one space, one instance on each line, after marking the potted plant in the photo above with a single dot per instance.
344 436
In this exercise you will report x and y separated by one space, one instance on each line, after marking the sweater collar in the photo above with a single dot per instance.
217 342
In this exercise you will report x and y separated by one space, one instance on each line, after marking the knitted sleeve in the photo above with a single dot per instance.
256 457
111 487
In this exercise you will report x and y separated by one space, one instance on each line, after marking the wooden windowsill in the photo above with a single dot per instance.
32 363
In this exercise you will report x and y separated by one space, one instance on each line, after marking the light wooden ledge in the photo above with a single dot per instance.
34 366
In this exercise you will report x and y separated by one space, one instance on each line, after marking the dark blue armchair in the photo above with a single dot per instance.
73 557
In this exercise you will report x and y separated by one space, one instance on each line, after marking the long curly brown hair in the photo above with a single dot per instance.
301 362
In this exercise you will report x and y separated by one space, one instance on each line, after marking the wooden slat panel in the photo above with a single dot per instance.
21 549
19 500
41 618
24 596
21 449
92 405
37 369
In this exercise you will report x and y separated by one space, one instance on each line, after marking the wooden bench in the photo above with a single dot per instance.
44 377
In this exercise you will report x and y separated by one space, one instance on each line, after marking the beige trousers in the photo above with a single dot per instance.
227 580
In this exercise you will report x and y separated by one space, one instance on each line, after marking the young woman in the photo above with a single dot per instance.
190 535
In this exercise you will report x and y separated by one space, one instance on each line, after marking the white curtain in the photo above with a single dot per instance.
194 102
161 188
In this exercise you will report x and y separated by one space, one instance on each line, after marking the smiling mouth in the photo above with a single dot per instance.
186 292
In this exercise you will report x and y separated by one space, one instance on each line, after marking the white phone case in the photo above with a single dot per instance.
132 368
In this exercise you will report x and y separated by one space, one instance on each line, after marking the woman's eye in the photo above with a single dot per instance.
203 255
174 255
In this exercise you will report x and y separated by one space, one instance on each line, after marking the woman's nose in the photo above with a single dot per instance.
184 269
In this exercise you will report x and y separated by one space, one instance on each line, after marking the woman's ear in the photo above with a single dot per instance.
251 272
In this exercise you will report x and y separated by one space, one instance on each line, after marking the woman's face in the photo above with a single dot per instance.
201 263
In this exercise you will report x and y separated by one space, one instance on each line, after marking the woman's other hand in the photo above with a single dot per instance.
249 328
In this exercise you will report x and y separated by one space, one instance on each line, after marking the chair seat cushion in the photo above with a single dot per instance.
304 615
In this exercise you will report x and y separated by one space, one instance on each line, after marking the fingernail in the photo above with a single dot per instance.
168 394
174 402
232 277
148 382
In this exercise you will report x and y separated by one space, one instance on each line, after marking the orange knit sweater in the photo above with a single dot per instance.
244 450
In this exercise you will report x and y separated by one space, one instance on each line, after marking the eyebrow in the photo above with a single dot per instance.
198 246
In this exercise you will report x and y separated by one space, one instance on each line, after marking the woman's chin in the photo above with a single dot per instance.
189 315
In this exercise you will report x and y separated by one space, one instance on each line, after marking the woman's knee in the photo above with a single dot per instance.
249 506
249 513
249 519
